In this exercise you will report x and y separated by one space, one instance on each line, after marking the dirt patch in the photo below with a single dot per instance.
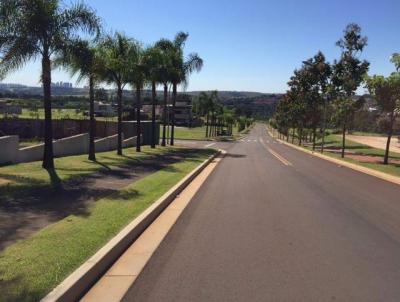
378 142
4 182
372 159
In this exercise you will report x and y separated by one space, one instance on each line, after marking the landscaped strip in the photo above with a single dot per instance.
31 268
333 142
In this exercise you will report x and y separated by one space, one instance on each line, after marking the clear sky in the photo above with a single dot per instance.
250 45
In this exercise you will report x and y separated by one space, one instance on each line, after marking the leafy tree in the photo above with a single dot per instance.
41 28
299 85
320 72
395 59
116 50
387 94
83 59
348 74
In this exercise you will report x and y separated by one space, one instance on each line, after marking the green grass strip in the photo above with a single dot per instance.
32 267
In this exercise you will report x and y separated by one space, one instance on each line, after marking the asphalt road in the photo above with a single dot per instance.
275 224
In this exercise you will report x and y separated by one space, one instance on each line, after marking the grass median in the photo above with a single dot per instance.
361 154
29 269
358 154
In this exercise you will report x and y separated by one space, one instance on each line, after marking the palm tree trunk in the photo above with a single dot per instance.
174 92
164 133
119 126
92 129
390 132
138 126
153 115
48 161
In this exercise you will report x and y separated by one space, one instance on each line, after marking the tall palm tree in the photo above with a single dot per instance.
83 59
165 71
41 28
116 51
181 68
153 59
137 78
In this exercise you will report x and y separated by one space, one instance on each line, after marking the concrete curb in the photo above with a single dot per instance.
371 172
81 280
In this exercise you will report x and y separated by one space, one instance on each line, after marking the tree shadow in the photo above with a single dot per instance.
55 180
232 155
28 205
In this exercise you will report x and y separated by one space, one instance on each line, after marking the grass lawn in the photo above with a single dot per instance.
199 133
30 268
57 114
196 133
334 141
25 176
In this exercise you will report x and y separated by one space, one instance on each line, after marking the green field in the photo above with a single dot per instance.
197 133
57 114
30 268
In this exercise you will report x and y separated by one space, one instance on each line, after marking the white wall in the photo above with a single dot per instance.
107 143
73 145
8 149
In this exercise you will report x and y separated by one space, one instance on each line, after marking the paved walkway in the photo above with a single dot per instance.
378 142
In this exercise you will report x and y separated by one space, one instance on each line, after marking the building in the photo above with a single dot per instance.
183 110
148 109
62 85
103 109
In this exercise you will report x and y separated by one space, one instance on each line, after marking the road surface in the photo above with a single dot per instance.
275 224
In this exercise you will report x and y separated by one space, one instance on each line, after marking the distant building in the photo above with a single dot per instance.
148 109
62 85
6 108
183 110
103 109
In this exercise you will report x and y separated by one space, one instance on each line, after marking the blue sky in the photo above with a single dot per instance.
249 45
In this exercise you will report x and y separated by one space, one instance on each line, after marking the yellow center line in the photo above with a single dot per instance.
279 157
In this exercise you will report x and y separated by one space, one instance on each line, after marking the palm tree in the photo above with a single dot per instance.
116 51
153 59
164 75
181 68
137 78
41 28
83 59
203 101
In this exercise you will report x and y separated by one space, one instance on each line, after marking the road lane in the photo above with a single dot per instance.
259 230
